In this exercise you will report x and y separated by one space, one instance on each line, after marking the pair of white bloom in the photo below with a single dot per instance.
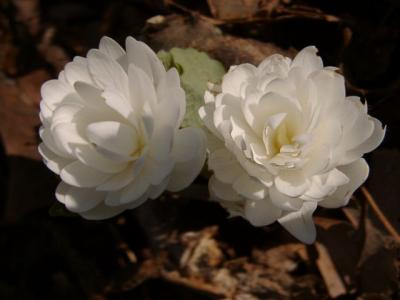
283 137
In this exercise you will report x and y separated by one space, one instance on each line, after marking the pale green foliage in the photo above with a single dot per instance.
195 69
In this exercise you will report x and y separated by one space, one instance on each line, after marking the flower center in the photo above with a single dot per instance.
280 147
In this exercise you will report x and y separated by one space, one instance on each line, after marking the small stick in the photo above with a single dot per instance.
333 282
381 216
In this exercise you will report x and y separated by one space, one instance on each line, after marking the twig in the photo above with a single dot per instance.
381 216
349 213
333 282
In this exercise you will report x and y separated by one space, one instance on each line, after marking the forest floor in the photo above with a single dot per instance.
182 246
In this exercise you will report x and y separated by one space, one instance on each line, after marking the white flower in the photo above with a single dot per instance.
287 140
111 130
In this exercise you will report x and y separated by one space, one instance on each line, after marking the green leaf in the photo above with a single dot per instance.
196 69
59 210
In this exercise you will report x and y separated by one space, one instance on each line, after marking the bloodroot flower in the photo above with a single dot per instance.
111 130
286 139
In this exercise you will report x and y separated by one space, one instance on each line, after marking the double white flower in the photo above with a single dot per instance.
284 136
285 140
111 130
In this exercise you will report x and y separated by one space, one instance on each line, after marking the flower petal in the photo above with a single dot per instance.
143 57
357 172
107 73
186 143
89 155
249 187
370 144
134 190
225 166
308 60
141 89
77 70
80 175
236 76
82 199
122 179
222 191
111 48
67 137
89 94
172 106
155 191
113 136
283 201
54 162
156 171
53 91
300 223
102 211
185 172
261 212
61 191
292 184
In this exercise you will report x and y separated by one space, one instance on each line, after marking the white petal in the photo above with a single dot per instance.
161 143
134 190
107 73
115 99
65 113
357 172
139 201
89 155
61 191
77 70
261 212
54 162
236 76
325 184
82 199
45 113
89 94
102 211
122 179
156 171
206 114
113 136
155 191
367 146
258 108
222 191
53 91
300 223
225 166
329 133
308 60
143 57
292 184
362 128
185 172
141 89
283 201
330 91
79 175
249 187
320 159
185 144
47 138
67 137
171 97
111 48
